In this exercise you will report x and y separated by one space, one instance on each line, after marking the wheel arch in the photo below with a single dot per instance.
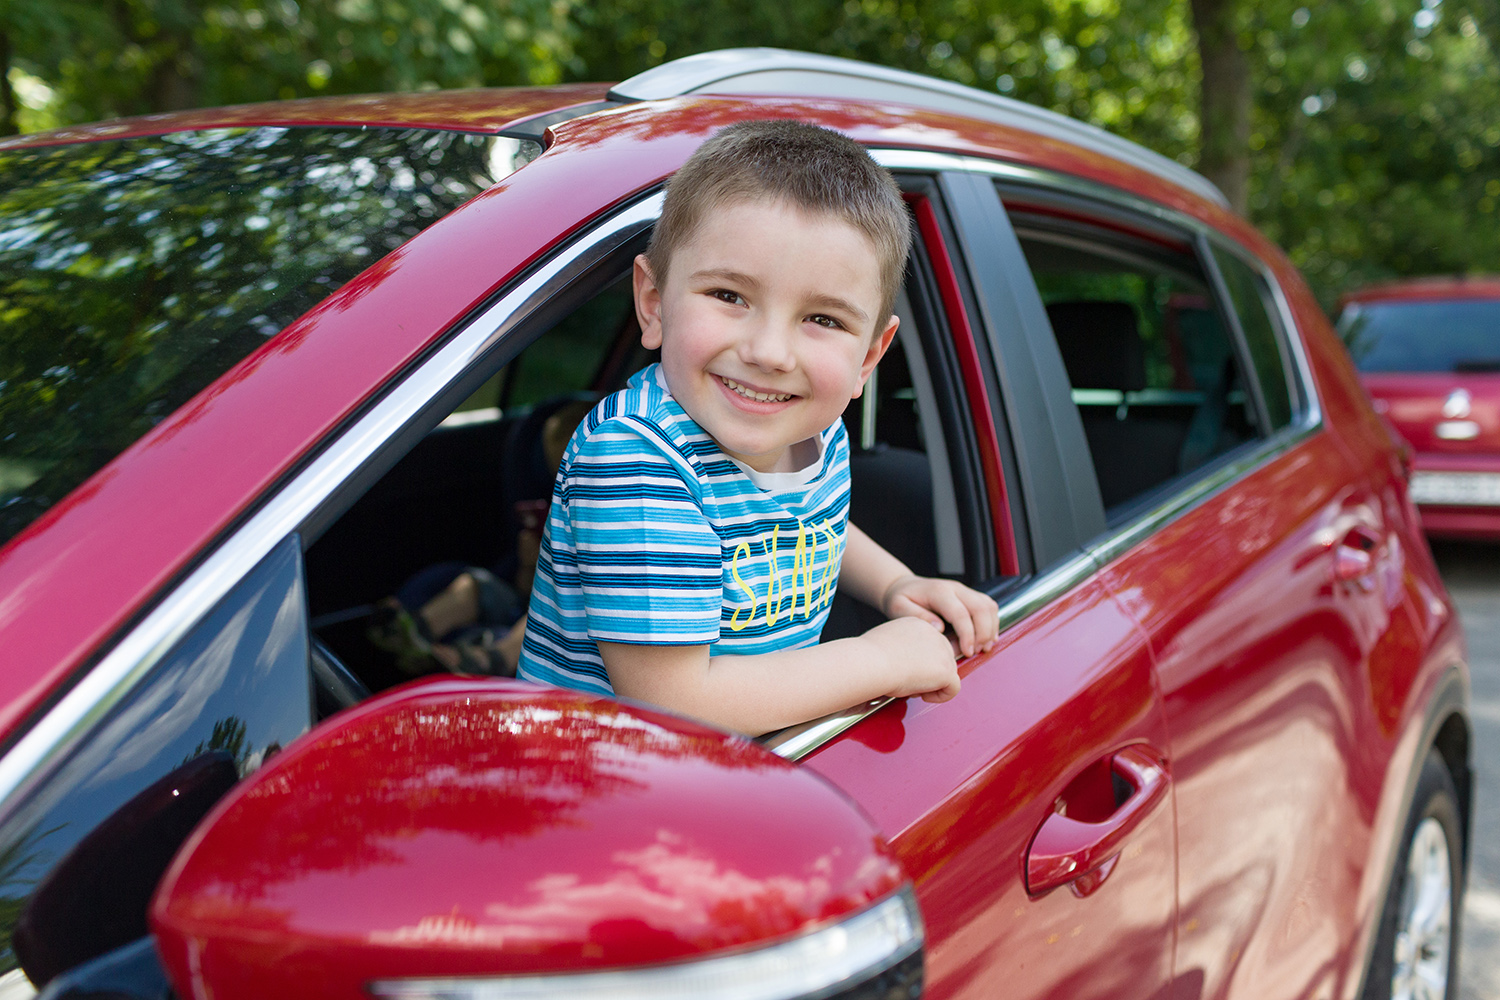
1445 727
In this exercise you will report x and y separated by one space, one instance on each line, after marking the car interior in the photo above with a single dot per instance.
1154 372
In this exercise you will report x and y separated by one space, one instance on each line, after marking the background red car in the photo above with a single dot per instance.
262 363
1428 350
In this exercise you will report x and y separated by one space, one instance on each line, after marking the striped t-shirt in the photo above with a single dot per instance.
656 537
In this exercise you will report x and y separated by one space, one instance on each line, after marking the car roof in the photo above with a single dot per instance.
781 72
1427 289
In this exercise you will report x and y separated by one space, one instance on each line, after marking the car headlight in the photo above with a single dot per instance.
877 953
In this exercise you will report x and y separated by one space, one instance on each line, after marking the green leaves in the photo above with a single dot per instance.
1374 147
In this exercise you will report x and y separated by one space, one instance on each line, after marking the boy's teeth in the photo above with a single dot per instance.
759 397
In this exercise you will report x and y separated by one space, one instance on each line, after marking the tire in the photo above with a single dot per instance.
1416 953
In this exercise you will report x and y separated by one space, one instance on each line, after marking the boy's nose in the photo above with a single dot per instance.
768 347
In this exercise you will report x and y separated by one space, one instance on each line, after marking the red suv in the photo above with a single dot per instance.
262 364
1428 350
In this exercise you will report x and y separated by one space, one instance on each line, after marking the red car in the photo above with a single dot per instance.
1428 350
261 364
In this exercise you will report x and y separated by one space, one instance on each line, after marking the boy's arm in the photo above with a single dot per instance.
874 576
760 693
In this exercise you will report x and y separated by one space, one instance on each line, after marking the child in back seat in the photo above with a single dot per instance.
468 619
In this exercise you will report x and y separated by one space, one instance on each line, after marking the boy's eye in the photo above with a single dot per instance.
725 295
826 321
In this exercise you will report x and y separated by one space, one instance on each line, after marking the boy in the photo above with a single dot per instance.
699 523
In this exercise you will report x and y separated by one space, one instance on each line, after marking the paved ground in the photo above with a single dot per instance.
1473 576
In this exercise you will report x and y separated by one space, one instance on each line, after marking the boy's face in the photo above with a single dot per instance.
768 326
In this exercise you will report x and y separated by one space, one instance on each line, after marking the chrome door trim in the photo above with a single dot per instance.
104 686
796 742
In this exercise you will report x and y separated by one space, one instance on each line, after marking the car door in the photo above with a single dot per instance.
1261 575
1055 747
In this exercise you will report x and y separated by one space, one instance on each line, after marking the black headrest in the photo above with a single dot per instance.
1100 344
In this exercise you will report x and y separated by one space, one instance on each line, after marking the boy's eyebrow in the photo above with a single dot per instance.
725 274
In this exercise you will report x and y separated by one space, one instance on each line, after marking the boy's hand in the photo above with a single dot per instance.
921 656
975 617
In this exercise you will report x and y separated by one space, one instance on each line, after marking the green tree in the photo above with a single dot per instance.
1374 145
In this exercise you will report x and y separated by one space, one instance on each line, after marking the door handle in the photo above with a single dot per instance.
1354 557
1080 840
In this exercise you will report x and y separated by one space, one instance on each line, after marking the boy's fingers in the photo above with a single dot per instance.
951 607
905 607
986 615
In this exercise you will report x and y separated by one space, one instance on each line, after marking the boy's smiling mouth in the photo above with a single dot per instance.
752 394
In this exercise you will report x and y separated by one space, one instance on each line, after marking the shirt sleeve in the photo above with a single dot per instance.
649 560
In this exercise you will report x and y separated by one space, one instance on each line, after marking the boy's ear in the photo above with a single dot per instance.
647 303
878 346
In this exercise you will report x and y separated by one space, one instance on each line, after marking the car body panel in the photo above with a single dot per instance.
1261 660
975 778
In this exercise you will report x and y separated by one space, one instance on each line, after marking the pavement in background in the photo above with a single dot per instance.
1472 572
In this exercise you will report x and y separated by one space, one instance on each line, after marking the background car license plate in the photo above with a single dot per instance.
1457 488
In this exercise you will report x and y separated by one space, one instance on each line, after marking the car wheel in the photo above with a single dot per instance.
1416 957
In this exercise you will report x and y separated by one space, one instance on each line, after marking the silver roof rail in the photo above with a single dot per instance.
767 71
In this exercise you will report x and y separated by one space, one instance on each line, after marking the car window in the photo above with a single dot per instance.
1415 336
1154 372
1250 297
473 492
134 272
82 852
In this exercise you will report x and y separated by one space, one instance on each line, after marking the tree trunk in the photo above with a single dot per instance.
1224 101
8 124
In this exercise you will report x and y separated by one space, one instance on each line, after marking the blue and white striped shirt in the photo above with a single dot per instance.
656 537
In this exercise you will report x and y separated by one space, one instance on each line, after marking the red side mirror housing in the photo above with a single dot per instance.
477 827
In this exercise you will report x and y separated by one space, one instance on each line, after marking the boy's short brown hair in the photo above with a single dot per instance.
812 168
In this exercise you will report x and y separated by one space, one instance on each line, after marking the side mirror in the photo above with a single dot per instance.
468 838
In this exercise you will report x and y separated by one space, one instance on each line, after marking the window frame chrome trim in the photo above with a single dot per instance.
48 741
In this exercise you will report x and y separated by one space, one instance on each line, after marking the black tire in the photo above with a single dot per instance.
1436 800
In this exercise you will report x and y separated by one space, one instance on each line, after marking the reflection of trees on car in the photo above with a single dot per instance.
133 273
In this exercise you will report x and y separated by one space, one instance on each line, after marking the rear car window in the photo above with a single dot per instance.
1250 297
1452 336
134 272
1154 372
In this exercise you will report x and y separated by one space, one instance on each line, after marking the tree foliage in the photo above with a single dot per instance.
1370 149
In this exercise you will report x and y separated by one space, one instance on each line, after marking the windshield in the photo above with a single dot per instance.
135 272
1452 336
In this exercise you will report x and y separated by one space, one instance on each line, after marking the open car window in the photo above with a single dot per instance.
474 491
